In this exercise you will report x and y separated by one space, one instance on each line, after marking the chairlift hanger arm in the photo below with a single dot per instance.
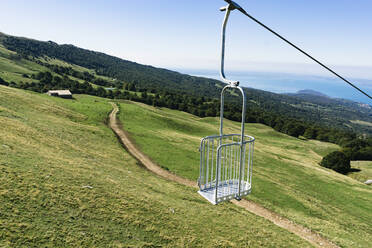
232 6
231 83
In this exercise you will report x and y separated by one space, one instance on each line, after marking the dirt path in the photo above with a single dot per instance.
145 160
303 232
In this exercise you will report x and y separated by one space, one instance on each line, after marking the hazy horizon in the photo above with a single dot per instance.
186 34
280 83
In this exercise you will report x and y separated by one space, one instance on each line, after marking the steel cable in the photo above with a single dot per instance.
296 47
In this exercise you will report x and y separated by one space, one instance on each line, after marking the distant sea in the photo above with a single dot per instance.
291 83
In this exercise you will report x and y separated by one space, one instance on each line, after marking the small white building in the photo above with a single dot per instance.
60 93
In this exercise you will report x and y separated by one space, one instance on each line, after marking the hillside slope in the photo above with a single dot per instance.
331 114
311 99
66 181
286 176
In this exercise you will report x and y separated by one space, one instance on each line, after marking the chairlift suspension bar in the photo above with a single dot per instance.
232 6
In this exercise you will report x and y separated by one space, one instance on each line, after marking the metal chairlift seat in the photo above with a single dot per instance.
226 159
226 162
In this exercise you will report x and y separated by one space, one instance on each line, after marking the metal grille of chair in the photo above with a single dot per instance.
226 162
226 159
225 167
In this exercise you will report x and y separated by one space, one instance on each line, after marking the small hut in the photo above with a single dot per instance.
60 93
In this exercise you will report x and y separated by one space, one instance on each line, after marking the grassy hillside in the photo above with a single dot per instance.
12 67
328 113
362 170
65 181
286 174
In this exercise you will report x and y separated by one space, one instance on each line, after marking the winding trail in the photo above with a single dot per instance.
301 231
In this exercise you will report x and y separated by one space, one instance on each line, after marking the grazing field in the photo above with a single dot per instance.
66 181
286 176
362 170
12 67
365 123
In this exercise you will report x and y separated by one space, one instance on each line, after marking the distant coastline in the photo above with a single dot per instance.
291 83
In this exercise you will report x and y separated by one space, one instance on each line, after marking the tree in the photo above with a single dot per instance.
323 135
109 94
310 133
364 154
101 92
3 82
251 119
293 129
336 161
131 87
210 112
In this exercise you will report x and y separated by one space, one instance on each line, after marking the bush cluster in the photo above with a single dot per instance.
337 161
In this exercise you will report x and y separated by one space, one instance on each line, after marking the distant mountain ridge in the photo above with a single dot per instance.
318 97
311 92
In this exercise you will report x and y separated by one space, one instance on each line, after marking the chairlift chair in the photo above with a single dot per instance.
226 159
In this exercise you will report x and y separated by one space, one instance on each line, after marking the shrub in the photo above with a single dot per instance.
336 161
3 82
364 154
310 133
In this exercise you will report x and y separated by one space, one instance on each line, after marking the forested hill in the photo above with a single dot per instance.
142 75
319 98
331 114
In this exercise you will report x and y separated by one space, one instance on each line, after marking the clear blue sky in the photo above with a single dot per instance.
186 34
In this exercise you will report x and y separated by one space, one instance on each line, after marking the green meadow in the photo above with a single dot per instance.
66 181
362 170
12 67
287 177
